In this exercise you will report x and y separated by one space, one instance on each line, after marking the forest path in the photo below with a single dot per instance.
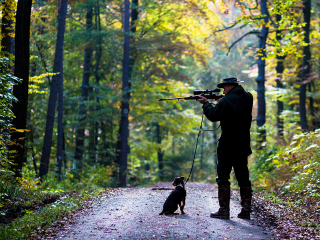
133 213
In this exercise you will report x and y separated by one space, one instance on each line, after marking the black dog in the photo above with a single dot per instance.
176 197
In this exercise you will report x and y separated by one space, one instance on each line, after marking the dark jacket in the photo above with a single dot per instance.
234 111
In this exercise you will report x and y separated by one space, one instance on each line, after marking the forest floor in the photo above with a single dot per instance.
133 213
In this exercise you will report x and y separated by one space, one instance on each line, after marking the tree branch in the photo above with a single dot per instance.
43 60
221 30
248 33
72 17
144 32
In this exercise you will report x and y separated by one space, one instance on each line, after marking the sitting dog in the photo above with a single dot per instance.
176 197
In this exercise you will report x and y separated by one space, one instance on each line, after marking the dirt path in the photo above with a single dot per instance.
133 214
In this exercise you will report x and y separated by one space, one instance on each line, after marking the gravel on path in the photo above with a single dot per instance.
133 213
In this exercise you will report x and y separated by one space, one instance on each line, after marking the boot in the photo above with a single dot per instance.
224 202
246 196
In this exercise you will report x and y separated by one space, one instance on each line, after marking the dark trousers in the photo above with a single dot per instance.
240 167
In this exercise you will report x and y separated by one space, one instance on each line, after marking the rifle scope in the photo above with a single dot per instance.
199 92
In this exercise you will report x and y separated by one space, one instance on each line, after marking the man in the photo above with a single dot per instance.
234 111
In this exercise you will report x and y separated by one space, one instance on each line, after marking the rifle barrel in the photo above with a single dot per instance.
192 97
177 98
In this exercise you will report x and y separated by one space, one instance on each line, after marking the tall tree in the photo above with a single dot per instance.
56 86
20 91
60 139
97 77
312 107
160 152
124 122
261 117
94 95
133 28
279 69
305 66
7 27
78 155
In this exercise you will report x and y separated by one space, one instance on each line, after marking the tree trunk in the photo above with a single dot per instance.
97 76
279 69
78 156
92 130
305 66
133 28
261 117
60 139
56 86
124 122
160 153
312 107
7 29
20 91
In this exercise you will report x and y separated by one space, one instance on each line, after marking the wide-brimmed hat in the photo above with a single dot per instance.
230 80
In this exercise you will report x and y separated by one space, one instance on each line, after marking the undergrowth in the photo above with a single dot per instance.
35 221
28 206
291 169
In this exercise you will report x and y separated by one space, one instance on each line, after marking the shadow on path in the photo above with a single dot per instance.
133 213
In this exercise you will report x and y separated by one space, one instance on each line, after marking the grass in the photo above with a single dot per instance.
29 209
35 223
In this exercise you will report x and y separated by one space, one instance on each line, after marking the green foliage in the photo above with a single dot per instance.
36 222
7 81
294 168
26 193
29 187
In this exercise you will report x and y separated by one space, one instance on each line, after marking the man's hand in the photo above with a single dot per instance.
202 99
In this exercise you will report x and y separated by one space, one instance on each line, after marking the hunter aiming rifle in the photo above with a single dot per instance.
208 94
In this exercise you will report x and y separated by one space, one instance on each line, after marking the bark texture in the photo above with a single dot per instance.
56 86
160 152
261 117
125 100
279 69
84 96
20 91
305 66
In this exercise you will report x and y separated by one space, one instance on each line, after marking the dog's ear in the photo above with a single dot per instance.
182 178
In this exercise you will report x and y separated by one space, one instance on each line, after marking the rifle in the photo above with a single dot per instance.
208 94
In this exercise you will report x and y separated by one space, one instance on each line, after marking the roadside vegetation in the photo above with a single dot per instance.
286 183
30 209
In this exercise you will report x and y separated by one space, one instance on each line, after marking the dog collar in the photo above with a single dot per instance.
180 185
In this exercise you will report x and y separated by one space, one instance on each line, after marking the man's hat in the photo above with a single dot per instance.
231 80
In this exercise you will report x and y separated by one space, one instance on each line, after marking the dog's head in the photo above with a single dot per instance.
177 181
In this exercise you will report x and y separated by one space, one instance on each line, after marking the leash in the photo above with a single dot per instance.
195 150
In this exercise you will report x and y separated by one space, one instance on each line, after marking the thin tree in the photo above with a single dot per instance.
97 77
133 28
94 130
7 27
261 116
20 91
124 122
305 66
312 106
78 155
160 152
56 86
279 69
